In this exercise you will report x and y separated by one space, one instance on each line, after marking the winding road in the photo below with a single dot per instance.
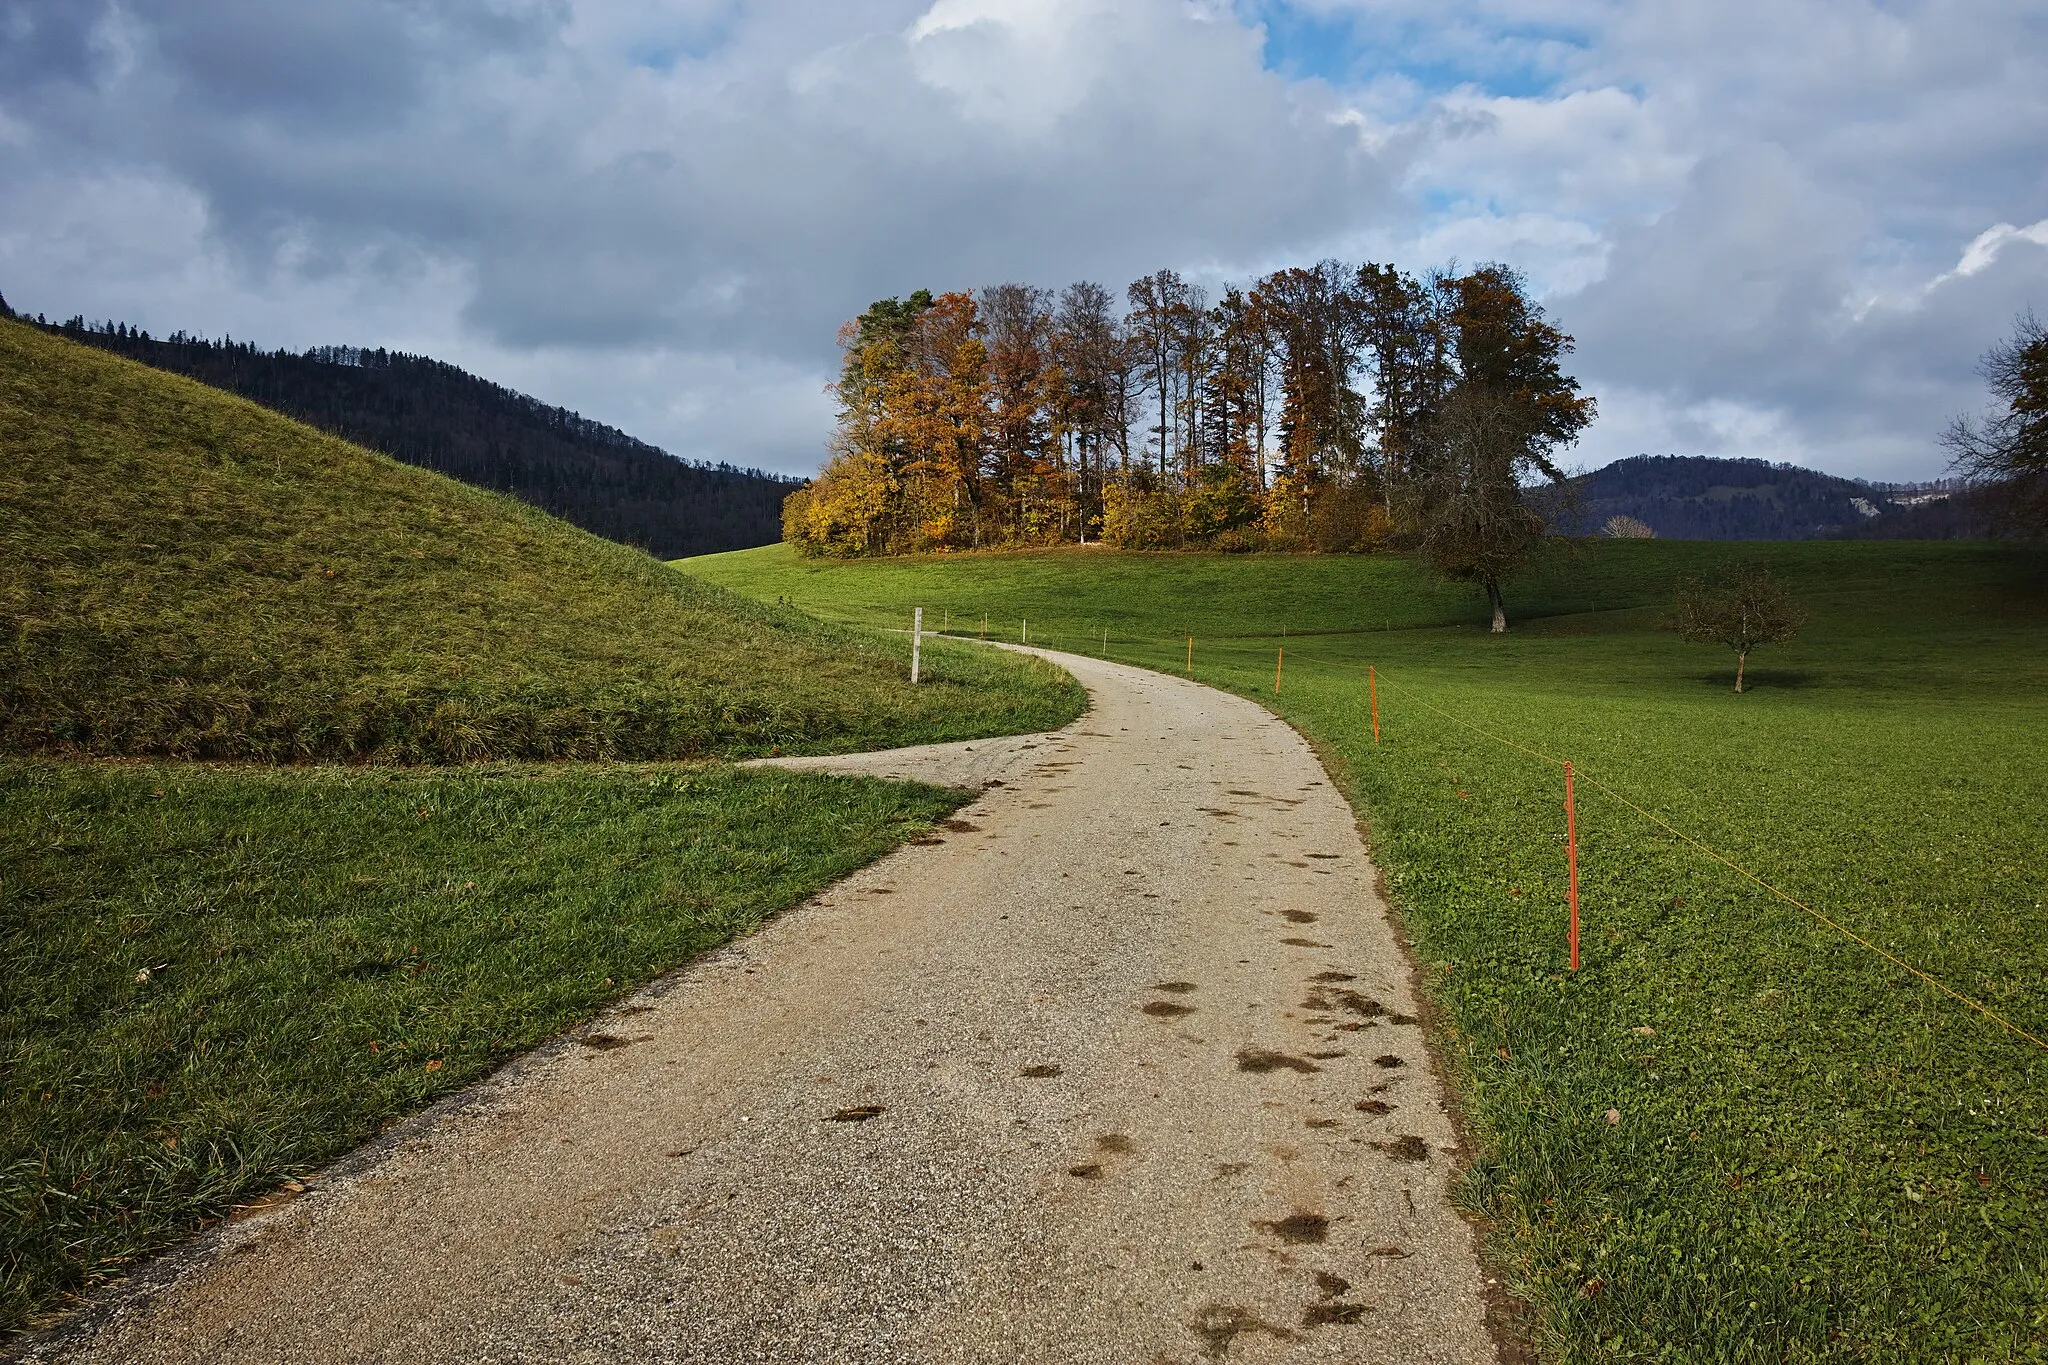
1123 1067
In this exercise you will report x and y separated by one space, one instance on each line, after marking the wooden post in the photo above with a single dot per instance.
1191 656
1278 660
1105 642
1571 853
984 625
1372 681
916 639
1024 630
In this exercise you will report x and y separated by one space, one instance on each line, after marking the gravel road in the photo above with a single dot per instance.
1122 1068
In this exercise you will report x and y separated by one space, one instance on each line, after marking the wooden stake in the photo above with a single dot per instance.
1191 656
1372 681
1024 630
1278 660
916 640
1571 853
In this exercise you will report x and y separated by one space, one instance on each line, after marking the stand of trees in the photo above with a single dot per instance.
1331 407
431 414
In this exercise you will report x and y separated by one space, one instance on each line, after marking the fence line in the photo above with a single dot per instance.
1378 678
1745 873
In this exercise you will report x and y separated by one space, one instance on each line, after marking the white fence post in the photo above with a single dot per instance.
916 635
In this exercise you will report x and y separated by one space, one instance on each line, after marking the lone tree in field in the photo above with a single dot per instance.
1745 609
1509 407
2010 451
1476 525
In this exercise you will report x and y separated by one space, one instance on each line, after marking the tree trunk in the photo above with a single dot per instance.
1741 662
1500 611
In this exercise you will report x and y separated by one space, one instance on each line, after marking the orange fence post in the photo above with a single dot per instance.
1571 853
1278 660
1372 681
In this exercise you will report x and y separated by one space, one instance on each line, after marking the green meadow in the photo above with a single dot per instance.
217 974
1737 1133
217 980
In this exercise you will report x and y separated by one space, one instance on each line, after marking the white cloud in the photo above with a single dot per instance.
1778 227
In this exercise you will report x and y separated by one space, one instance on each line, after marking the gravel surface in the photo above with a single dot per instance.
1122 1068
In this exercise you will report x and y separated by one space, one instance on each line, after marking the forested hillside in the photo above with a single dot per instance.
1699 498
431 414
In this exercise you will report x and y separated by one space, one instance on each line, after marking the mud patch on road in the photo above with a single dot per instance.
1042 1071
1299 917
1305 943
1220 1325
1167 1009
1259 1061
1175 987
1342 998
1407 1147
1298 1229
859 1113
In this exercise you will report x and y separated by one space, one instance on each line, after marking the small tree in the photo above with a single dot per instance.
1628 528
1746 608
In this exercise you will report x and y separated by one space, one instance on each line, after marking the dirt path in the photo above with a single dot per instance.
1121 1070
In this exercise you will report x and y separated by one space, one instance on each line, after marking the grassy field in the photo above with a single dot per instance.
214 978
1735 1134
212 981
185 574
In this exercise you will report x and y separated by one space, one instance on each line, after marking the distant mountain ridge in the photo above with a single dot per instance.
432 414
1696 497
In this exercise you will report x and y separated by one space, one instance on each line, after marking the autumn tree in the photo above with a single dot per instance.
1509 410
1159 304
1023 380
1741 607
2009 450
1091 400
1476 526
1403 337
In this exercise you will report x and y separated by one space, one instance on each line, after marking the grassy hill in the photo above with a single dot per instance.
431 414
185 574
216 977
1736 1133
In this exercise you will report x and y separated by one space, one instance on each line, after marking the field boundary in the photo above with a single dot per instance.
1698 845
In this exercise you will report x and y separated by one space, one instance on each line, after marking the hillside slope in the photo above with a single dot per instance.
186 574
1685 497
428 413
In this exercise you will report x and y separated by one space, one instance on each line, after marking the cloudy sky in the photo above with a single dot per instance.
1779 228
